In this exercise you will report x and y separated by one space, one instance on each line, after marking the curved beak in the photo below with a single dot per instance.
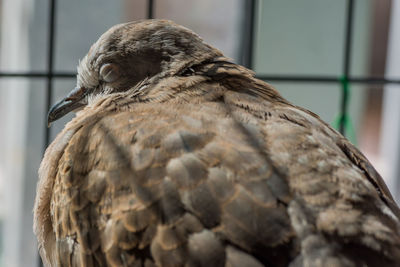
74 100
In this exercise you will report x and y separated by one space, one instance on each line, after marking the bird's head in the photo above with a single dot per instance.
130 54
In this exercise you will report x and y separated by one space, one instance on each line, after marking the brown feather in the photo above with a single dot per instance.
205 166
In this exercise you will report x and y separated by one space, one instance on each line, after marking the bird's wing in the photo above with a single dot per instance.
341 210
172 185
340 207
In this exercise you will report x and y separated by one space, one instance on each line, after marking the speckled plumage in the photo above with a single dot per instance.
185 159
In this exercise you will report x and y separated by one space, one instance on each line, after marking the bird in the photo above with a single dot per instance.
177 156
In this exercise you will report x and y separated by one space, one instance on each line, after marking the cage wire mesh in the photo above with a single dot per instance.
342 122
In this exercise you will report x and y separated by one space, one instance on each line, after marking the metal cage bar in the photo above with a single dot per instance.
49 75
346 65
50 65
248 33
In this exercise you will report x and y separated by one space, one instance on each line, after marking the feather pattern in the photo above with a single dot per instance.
213 168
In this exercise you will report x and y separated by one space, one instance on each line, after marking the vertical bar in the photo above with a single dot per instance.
348 38
150 9
50 61
346 64
248 34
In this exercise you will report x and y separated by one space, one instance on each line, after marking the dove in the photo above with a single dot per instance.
177 156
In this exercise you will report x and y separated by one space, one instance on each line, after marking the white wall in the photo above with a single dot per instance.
14 97
390 137
307 38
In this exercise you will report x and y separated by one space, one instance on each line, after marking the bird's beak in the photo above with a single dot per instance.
74 100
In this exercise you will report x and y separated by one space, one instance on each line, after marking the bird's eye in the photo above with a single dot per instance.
109 72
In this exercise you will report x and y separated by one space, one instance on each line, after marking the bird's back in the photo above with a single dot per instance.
216 178
182 158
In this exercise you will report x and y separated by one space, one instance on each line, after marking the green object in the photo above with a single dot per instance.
343 121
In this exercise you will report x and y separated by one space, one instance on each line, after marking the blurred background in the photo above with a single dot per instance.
310 50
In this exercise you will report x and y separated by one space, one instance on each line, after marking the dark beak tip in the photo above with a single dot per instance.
70 103
50 115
